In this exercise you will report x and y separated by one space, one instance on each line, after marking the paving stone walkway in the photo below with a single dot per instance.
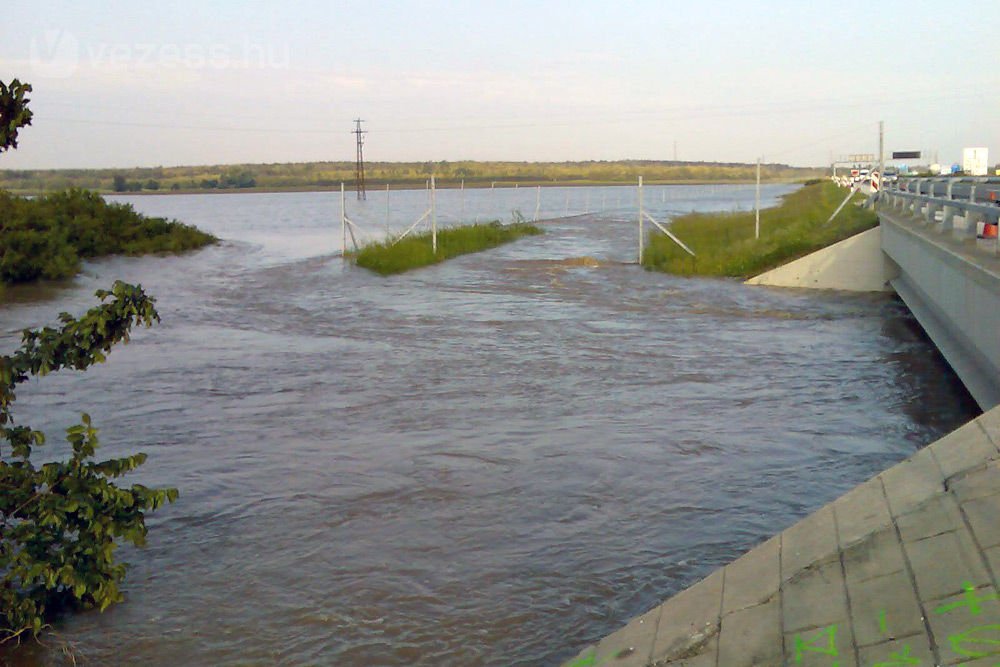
900 571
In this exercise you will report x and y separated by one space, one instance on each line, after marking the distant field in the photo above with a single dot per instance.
724 243
321 175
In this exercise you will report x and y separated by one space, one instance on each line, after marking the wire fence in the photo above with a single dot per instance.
387 213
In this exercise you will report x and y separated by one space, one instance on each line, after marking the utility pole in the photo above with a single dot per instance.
675 150
881 151
359 171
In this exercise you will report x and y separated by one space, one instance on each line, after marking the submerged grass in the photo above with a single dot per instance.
725 245
415 251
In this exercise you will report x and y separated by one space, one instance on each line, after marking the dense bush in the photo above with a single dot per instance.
61 520
46 237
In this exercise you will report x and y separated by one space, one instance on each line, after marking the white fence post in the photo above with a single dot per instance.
434 226
756 226
640 221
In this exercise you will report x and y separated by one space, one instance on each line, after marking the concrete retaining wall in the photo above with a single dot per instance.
856 264
955 295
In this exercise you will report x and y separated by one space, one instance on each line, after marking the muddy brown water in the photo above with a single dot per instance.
489 462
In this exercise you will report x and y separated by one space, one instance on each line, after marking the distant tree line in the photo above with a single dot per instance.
242 179
320 175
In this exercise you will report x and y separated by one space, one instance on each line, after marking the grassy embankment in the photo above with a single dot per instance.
47 237
416 251
725 245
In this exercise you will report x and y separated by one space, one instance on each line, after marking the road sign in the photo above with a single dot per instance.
906 155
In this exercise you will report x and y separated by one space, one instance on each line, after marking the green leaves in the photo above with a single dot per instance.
60 522
14 112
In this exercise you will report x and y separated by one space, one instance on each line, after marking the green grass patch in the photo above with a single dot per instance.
413 252
725 245
45 238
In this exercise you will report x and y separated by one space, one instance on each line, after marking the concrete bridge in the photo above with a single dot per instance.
944 254
939 252
905 568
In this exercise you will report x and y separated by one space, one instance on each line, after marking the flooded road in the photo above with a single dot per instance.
489 462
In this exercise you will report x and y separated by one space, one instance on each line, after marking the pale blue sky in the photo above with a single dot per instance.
131 84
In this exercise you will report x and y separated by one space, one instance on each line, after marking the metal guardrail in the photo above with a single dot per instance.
961 219
969 188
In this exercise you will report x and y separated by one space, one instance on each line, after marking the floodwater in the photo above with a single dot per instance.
489 462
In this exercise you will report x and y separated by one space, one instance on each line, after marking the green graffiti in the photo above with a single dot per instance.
900 659
815 643
969 599
977 642
881 622
589 660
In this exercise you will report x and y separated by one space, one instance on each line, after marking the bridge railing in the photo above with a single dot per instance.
961 219
969 188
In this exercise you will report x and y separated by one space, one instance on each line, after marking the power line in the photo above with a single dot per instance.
173 126
981 90
673 113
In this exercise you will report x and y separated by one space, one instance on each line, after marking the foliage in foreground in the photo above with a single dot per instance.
59 521
46 237
725 245
14 112
415 251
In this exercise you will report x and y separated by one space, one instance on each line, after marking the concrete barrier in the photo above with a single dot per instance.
953 290
856 264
